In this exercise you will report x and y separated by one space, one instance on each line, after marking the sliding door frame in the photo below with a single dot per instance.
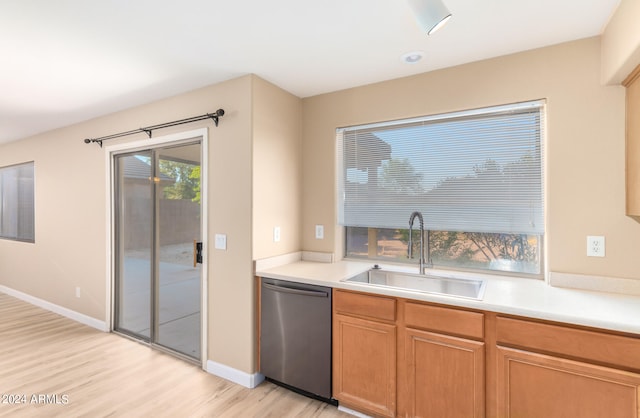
111 151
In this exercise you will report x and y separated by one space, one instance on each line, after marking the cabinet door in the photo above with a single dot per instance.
445 375
364 358
536 385
633 143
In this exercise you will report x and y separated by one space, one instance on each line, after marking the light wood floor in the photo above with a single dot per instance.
95 374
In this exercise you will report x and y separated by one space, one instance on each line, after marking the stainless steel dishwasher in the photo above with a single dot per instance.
295 336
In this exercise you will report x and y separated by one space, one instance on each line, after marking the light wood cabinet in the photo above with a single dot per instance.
365 365
536 385
632 84
364 353
393 356
443 365
445 375
553 371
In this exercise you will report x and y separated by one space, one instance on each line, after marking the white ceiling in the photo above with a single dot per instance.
66 61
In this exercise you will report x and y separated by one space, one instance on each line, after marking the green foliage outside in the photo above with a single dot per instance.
505 251
186 185
195 175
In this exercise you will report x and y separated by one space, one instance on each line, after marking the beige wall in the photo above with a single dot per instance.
254 184
277 170
70 242
621 43
231 286
584 145
71 209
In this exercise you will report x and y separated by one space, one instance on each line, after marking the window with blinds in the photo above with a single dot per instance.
17 216
476 177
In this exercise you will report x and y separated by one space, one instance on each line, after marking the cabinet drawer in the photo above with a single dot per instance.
594 346
445 320
369 306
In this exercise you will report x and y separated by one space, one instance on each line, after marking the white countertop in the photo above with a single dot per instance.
515 296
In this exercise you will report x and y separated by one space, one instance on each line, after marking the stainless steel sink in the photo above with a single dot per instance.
462 288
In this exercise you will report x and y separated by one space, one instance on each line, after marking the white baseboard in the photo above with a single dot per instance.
60 310
236 376
352 412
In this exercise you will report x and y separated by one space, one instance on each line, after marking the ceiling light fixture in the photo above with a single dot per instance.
430 14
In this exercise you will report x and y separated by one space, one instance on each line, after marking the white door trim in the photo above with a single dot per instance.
110 152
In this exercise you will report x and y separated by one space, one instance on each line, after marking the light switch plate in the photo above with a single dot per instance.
221 242
276 234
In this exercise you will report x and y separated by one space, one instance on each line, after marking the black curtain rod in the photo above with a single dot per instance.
149 129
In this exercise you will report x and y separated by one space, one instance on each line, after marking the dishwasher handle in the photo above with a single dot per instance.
294 291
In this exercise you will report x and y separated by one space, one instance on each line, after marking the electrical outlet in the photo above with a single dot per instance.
595 246
276 234
77 291
319 231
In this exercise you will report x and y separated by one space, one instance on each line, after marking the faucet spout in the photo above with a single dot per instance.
422 263
412 218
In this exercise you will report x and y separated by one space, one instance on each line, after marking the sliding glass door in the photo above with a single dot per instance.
158 229
177 307
135 247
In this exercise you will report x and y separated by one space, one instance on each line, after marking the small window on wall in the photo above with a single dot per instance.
476 176
17 219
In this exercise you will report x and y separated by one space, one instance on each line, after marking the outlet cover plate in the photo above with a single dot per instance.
221 242
595 246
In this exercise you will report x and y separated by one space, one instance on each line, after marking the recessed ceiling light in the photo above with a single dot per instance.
412 57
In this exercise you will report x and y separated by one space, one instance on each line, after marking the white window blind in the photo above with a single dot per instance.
473 171
17 202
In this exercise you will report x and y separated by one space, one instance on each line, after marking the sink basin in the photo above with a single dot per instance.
462 288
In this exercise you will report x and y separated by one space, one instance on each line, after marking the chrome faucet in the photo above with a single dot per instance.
421 261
